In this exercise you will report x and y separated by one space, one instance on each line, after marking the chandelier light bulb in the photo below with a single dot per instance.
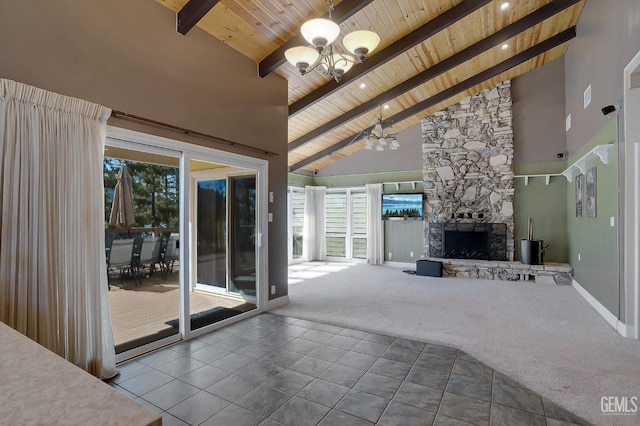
382 135
320 32
342 62
336 64
368 144
361 43
301 57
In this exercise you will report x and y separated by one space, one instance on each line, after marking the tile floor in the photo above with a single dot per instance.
276 370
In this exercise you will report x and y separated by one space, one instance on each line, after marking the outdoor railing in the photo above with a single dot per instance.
156 231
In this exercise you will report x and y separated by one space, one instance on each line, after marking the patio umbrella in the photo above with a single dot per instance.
122 206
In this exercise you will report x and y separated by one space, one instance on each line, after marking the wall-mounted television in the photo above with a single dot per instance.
402 206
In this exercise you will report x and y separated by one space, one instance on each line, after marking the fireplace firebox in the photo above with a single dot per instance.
457 240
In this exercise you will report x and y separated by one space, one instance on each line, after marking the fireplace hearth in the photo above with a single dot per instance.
456 240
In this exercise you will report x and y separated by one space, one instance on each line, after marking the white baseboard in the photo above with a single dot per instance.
623 329
400 264
277 302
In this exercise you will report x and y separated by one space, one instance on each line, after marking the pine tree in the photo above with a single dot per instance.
155 192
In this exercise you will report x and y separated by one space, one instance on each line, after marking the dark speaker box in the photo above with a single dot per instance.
429 268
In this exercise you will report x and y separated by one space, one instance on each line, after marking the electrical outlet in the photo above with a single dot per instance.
273 289
390 256
270 217
579 257
411 254
612 221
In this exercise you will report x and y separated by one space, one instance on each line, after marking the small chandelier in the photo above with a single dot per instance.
324 55
381 136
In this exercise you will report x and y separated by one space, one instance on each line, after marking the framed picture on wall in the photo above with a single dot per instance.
590 192
579 195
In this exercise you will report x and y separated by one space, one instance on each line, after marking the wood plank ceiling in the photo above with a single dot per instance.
432 54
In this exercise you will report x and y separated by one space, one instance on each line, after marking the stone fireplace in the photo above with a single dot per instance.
457 240
468 177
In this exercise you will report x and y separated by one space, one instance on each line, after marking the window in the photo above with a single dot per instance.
336 224
296 222
359 225
346 223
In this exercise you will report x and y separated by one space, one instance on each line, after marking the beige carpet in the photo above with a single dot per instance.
545 336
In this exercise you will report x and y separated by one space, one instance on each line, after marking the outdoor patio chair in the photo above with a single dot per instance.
120 257
149 255
172 252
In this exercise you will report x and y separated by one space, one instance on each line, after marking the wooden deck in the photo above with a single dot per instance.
140 310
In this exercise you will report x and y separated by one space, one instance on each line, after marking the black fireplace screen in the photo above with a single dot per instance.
452 240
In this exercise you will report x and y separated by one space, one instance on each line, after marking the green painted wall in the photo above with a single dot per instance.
593 238
300 180
401 238
545 204
363 179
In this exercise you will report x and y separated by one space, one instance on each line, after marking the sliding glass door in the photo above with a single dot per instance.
242 238
142 266
205 210
211 248
225 244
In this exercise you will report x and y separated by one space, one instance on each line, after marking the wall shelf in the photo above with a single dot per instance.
413 184
601 151
580 165
547 177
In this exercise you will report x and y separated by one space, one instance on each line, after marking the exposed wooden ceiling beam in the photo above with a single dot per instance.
501 36
412 39
192 12
341 13
469 83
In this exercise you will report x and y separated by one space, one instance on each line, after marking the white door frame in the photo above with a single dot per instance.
629 323
124 137
213 174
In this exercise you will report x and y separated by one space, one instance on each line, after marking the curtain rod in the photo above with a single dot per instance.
125 115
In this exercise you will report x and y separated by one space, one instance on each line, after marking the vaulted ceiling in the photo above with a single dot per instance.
432 54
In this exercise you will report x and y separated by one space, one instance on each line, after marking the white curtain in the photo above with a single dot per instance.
53 283
375 234
314 240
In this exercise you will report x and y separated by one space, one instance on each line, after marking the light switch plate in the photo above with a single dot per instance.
587 96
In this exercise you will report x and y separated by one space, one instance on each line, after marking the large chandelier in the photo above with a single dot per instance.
381 136
325 55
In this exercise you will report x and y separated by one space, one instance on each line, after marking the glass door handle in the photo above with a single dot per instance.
259 239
